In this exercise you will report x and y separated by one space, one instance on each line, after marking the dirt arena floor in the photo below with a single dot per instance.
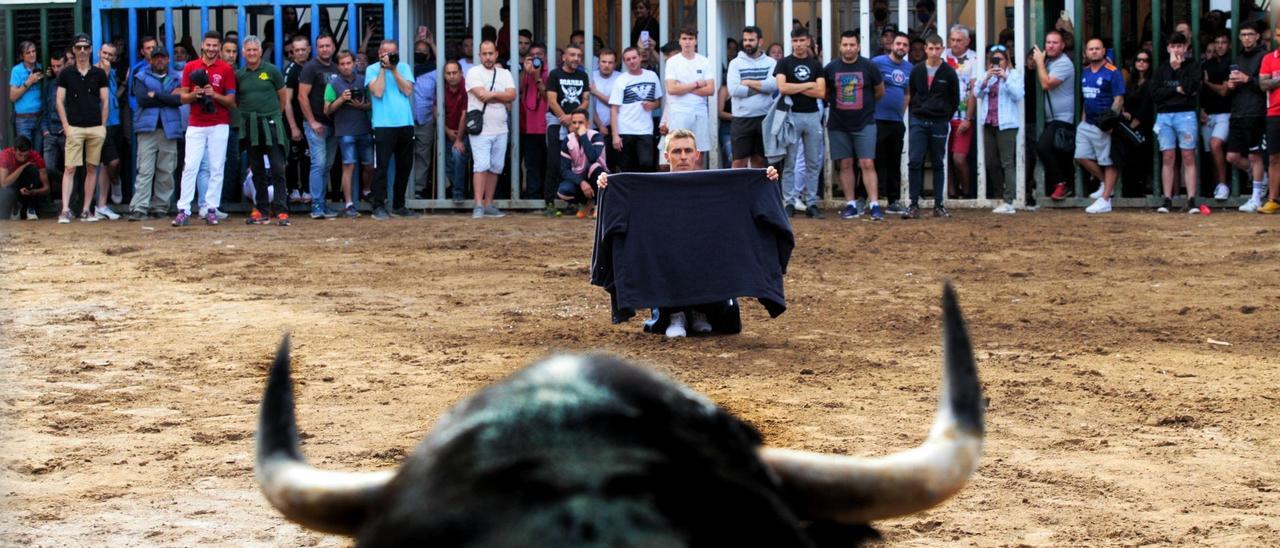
1131 362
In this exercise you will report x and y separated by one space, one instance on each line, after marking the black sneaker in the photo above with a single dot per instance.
137 216
405 212
380 214
814 213
1165 207
895 209
913 212
940 211
791 210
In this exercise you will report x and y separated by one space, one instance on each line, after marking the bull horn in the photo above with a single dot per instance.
861 490
333 502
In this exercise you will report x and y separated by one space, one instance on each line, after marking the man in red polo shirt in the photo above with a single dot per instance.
209 86
1269 81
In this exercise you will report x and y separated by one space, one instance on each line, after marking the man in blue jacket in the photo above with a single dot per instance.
158 124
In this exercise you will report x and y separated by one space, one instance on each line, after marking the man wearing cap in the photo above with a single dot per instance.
157 125
82 107
262 95
208 128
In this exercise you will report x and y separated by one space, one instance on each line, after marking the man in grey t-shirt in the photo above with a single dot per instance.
1056 75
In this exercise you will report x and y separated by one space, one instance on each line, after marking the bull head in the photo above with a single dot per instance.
815 487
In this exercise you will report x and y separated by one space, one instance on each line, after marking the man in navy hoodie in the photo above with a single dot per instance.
933 93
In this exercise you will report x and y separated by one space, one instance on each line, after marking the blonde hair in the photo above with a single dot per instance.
681 133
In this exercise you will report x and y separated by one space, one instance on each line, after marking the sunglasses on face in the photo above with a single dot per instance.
81 48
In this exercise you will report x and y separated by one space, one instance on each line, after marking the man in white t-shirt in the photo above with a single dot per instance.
689 83
636 94
602 82
492 91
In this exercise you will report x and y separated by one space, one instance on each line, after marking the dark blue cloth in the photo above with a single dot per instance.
686 239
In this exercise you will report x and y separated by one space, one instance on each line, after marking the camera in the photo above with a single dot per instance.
201 79
393 59
537 63
357 95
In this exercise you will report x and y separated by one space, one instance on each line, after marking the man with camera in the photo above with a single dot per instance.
1102 86
346 102
26 83
209 86
391 85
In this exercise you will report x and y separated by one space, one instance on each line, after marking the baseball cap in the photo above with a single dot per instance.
159 52
81 38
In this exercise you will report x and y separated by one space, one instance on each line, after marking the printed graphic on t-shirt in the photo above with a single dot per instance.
898 77
849 90
801 73
571 92
638 91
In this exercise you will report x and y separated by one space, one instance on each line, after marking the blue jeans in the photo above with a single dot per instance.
29 127
928 137
455 167
323 149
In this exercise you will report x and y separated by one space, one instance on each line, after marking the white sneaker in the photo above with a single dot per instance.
1221 192
799 204
477 213
222 215
676 327
31 214
15 216
1097 193
106 213
700 324
1004 209
1099 206
1251 206
117 193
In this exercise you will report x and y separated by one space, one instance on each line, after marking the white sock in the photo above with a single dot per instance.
1259 189
349 204
853 203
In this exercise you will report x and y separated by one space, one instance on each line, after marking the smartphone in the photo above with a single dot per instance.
644 37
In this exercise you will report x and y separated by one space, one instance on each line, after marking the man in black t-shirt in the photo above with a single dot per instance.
854 85
800 79
568 89
82 107
1215 113
298 168
315 77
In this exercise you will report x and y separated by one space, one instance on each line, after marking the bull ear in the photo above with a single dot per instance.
860 490
333 502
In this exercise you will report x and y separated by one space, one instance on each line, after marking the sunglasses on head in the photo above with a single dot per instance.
998 47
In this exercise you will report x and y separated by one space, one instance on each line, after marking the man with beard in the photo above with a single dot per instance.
314 79
636 94
208 128
752 87
1102 86
567 91
890 131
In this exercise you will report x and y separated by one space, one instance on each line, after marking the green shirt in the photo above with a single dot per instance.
259 104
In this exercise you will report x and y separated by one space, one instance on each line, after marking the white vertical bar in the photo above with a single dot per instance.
903 182
864 23
828 27
980 46
552 41
626 28
664 34
714 47
513 28
442 147
1020 44
750 11
703 36
588 37
788 14
946 152
477 21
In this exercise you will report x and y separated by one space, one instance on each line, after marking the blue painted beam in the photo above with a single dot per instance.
281 39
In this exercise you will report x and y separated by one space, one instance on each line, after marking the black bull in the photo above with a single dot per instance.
594 451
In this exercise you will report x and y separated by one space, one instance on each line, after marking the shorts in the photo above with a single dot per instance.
356 149
1246 135
113 145
488 153
1273 134
1093 144
1176 130
854 144
695 122
747 136
1216 127
84 145
961 141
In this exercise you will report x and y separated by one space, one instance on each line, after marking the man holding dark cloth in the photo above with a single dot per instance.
262 95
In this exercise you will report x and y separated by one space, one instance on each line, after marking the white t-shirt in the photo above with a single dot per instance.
687 71
605 86
965 66
495 114
629 93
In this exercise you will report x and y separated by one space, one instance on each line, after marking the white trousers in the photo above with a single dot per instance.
202 142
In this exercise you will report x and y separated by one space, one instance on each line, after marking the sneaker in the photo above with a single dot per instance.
1221 192
477 213
1004 209
850 211
257 218
222 215
31 214
457 201
15 216
896 208
159 215
493 211
700 324
182 219
877 214
1099 206
1096 194
790 209
913 212
65 217
117 193
1197 210
941 212
1165 207
306 198
350 212
138 216
211 218
105 213
380 214
405 212
1060 192
549 211
676 327
322 212
295 197
283 220
86 217
582 212
1270 208
813 212
1251 206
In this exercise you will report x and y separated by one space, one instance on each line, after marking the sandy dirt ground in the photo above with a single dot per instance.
132 360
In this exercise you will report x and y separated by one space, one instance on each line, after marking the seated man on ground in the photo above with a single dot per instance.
582 162
23 179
